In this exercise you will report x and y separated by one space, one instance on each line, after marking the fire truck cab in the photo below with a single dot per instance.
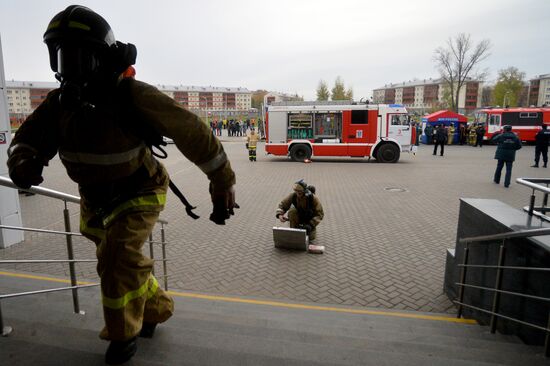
304 129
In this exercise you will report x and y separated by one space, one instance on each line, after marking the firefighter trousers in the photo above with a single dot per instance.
252 153
130 293
295 222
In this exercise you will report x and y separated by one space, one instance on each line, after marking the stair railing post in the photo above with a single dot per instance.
544 201
5 329
70 255
547 338
532 203
151 251
498 287
462 281
164 267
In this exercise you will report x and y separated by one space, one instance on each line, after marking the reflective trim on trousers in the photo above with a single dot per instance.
92 231
144 201
150 287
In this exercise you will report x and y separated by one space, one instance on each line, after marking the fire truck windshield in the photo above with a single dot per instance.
481 117
399 120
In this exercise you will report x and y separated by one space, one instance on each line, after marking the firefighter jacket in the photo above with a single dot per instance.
104 149
252 140
441 134
309 208
542 137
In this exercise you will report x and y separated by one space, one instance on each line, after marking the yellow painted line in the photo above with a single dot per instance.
323 308
275 303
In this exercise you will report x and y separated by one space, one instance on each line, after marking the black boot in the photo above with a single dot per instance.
536 165
119 352
544 166
147 330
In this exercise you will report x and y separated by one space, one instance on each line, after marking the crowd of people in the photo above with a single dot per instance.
234 127
471 134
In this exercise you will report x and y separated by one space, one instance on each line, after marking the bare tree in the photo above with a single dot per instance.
457 62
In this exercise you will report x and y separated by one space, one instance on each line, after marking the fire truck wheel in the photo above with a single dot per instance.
387 153
300 152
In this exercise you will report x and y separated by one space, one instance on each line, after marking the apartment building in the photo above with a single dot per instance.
24 96
539 90
423 95
279 97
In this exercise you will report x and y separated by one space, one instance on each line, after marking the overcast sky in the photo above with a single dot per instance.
289 45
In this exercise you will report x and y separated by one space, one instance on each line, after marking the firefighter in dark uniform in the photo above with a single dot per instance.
541 146
304 209
507 145
480 132
98 122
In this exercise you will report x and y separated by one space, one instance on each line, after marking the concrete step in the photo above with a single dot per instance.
174 346
209 332
275 316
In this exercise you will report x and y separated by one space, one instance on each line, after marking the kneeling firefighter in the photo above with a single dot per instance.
101 124
304 209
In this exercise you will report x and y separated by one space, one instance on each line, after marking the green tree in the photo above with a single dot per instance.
258 98
322 91
457 63
509 86
338 92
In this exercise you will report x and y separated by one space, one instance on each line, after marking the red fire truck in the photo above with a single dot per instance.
525 122
304 129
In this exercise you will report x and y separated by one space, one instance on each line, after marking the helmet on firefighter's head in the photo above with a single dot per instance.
300 186
78 41
82 45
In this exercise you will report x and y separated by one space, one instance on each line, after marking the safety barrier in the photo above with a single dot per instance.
66 198
500 267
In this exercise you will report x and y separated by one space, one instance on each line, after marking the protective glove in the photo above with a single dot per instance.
223 204
25 168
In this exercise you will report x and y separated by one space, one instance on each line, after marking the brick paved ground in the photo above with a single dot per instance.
384 248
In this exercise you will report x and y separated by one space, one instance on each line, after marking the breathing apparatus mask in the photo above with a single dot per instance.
85 56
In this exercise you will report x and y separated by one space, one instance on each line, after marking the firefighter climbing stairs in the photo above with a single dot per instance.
214 330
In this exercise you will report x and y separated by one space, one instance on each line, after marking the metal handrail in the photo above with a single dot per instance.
518 294
27 293
532 183
17 261
505 317
6 182
505 267
510 235
71 261
38 230
497 289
